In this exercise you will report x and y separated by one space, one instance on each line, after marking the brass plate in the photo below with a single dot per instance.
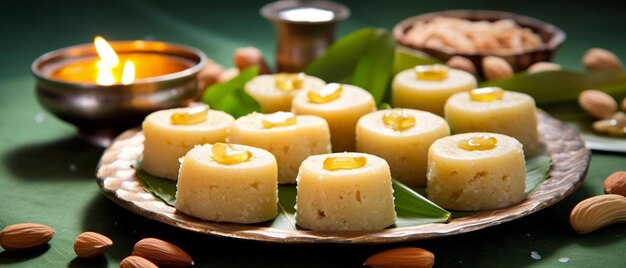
570 157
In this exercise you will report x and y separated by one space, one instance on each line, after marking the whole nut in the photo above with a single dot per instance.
136 262
597 103
208 75
162 253
24 236
90 244
462 63
598 59
402 257
249 56
624 105
495 68
227 75
616 183
543 66
598 211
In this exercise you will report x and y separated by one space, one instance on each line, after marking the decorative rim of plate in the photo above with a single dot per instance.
570 160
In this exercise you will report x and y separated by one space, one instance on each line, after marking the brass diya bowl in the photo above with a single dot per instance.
102 111
551 36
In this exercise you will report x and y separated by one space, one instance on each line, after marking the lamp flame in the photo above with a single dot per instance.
109 62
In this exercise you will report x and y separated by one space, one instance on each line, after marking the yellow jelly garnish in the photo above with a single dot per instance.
434 72
398 119
344 162
228 154
486 94
192 116
278 119
328 93
289 81
481 142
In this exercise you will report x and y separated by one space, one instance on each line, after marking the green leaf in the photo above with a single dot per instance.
373 70
414 209
162 189
340 60
230 96
537 170
562 86
405 58
363 58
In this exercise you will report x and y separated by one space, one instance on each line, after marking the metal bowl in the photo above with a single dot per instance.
552 37
99 111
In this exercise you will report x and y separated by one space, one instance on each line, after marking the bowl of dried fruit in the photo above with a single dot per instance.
476 34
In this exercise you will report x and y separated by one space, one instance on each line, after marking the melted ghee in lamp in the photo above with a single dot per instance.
480 142
328 93
227 154
344 162
434 72
146 65
289 81
398 119
279 119
486 94
192 116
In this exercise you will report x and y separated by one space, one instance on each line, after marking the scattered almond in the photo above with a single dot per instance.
598 59
23 236
90 244
136 262
402 257
462 63
495 68
227 74
598 211
249 56
616 183
624 105
162 253
543 66
597 103
208 75
616 125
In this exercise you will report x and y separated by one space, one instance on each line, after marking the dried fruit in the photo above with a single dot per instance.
616 125
543 66
495 68
624 105
227 74
136 262
597 103
23 236
616 183
402 257
162 253
462 63
249 56
598 211
598 59
90 244
208 75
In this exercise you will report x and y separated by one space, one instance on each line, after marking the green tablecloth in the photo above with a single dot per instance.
47 174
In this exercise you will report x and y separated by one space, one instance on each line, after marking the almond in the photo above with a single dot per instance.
495 68
597 103
616 183
90 244
598 59
23 236
162 253
136 262
249 56
598 211
227 75
543 66
462 63
624 105
402 257
208 75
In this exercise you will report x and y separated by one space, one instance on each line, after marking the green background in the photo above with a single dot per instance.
47 174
